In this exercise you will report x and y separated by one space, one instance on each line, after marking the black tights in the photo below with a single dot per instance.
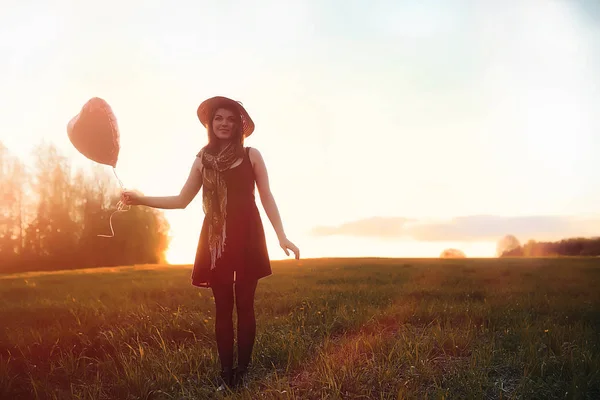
246 322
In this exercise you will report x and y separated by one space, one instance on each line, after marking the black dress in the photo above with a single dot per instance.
245 256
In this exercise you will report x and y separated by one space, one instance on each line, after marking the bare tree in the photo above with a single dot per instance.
13 182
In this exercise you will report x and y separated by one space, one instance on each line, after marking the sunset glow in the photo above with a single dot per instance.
430 113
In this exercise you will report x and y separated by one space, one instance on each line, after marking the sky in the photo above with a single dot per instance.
389 128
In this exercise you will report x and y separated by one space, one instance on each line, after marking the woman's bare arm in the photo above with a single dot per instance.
188 192
268 201
264 190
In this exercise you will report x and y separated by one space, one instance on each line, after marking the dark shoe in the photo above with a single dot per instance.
227 379
240 377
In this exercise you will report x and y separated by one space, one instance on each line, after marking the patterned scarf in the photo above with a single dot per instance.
214 195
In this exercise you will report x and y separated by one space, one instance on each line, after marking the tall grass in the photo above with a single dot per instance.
365 328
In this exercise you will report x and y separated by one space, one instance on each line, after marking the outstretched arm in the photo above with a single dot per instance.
268 201
188 192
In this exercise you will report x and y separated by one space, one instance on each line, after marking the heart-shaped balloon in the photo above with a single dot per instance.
94 132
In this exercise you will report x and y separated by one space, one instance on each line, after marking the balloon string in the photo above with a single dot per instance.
119 179
121 207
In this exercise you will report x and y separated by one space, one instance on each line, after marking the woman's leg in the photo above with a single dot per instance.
223 294
244 300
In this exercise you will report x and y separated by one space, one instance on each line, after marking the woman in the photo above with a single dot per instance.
232 253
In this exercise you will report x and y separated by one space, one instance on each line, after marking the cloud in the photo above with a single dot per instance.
468 228
490 227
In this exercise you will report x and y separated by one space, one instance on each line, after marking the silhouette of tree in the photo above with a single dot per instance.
516 252
12 205
507 244
55 228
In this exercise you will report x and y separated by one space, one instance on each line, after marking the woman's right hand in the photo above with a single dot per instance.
131 197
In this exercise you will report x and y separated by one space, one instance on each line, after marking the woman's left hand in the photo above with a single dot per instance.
286 245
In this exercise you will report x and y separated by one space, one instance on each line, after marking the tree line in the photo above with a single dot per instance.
579 246
51 216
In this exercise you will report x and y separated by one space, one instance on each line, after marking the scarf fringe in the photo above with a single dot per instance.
217 250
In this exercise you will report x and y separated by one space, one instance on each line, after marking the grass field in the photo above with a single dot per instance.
362 328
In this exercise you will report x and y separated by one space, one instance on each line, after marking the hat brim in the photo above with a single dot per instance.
206 108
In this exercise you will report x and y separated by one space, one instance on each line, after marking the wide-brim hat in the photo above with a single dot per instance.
208 106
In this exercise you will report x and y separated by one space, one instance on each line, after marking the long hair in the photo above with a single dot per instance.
213 141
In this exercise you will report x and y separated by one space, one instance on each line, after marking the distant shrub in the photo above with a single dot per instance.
453 253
